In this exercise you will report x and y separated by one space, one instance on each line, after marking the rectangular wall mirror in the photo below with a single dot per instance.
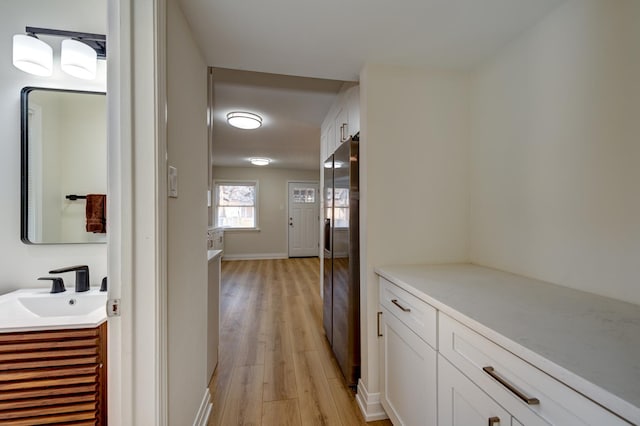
64 158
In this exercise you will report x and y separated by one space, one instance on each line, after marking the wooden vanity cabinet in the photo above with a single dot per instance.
54 377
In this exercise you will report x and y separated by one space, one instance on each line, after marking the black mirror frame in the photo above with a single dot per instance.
24 156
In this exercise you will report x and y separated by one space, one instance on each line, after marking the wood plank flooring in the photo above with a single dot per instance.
275 365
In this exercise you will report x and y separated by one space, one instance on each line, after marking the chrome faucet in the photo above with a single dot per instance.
82 276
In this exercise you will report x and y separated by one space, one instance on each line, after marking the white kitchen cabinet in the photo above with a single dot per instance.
330 134
408 374
353 105
408 342
341 125
497 339
534 397
324 150
462 403
342 121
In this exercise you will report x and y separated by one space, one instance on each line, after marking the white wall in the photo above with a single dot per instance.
414 180
21 264
271 240
555 151
187 221
84 169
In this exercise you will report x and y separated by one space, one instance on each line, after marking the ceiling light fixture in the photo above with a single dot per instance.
78 53
244 120
260 161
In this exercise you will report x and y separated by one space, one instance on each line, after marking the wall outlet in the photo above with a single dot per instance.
173 182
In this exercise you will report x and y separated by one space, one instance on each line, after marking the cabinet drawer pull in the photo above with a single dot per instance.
494 420
395 302
491 371
379 334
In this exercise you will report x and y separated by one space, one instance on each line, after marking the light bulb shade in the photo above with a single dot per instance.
78 59
32 56
260 161
244 120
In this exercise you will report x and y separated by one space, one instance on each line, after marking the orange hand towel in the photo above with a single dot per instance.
96 213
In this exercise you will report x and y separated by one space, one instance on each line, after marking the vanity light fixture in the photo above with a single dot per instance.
244 120
78 54
260 161
32 55
78 59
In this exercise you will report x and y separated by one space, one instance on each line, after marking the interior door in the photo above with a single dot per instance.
304 217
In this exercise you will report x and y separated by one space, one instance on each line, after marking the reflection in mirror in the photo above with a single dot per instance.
64 152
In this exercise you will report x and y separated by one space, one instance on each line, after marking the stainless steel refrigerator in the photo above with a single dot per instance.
341 303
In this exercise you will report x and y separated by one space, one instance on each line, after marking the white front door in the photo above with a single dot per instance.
303 220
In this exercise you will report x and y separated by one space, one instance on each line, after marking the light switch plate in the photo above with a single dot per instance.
173 182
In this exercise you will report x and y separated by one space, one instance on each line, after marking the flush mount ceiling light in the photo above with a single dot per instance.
32 56
260 161
244 120
78 59
78 54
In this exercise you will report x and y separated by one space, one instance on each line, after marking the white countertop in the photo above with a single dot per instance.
16 318
589 342
212 254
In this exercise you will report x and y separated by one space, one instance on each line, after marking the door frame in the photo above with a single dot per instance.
286 208
136 248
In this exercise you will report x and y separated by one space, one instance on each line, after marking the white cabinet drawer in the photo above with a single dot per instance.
510 380
462 403
418 315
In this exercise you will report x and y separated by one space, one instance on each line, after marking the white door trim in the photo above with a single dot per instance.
137 211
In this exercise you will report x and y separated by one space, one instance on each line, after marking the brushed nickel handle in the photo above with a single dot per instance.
342 133
494 420
379 334
345 130
492 372
395 302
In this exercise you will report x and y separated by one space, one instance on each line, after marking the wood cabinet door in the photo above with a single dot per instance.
408 374
462 403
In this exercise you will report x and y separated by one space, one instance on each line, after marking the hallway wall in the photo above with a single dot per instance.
271 240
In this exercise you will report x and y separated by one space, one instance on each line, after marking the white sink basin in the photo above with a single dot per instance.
37 309
63 304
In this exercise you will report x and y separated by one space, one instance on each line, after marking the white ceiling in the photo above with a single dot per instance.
292 109
333 39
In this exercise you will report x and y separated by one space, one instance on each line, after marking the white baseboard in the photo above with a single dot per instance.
370 404
202 417
255 256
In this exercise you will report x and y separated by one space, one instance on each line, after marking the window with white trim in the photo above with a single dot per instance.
236 204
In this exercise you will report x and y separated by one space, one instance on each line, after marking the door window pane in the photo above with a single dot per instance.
304 195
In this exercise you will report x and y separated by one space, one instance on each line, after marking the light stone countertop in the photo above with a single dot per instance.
212 254
589 342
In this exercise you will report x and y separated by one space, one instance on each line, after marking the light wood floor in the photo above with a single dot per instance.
275 366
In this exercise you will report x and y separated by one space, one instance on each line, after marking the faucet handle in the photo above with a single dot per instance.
57 285
70 269
82 276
